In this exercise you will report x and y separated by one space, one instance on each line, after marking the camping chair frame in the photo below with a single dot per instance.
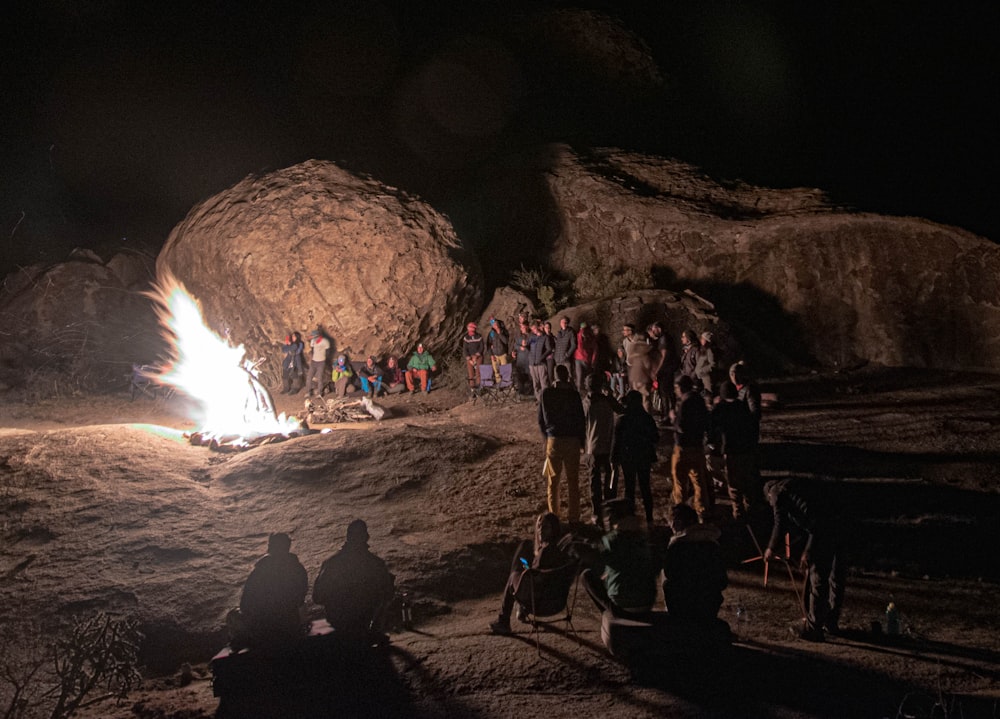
493 391
540 613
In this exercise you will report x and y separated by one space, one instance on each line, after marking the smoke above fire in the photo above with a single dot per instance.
232 405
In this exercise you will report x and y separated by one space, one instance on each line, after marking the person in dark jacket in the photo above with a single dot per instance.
565 345
273 596
497 342
689 354
547 551
561 420
694 574
520 342
732 434
539 355
687 465
354 587
292 366
472 348
634 451
801 509
599 410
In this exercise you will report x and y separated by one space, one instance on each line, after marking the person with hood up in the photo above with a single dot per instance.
341 377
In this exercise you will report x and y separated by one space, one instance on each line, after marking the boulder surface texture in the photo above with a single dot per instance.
314 246
858 287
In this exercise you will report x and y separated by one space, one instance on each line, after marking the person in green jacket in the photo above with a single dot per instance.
418 370
623 576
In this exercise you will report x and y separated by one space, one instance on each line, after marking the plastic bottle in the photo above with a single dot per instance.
891 619
407 611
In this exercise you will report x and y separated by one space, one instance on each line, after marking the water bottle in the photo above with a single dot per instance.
407 611
891 619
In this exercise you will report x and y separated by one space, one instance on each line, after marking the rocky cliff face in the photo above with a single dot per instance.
315 246
849 287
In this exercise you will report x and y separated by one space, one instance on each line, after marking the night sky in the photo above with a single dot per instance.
120 116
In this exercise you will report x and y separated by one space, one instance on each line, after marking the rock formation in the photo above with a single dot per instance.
315 246
850 287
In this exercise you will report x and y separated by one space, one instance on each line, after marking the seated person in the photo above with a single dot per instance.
271 604
418 370
341 377
623 575
370 375
393 380
354 587
545 552
694 573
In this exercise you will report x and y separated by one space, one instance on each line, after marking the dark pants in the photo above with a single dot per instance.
632 472
599 467
290 380
526 551
594 585
826 577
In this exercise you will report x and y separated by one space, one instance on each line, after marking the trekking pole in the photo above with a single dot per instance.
800 594
761 556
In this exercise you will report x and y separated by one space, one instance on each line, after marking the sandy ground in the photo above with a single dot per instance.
105 506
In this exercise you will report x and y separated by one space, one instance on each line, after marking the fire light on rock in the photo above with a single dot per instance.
234 408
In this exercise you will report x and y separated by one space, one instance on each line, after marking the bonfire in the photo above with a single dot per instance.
234 410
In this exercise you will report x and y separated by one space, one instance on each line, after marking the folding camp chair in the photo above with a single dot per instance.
506 391
487 390
544 595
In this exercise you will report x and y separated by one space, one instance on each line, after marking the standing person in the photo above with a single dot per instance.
799 508
748 393
354 587
520 343
497 343
418 369
561 420
665 365
599 410
640 370
565 345
472 349
550 361
634 451
273 596
539 355
732 433
694 574
705 364
545 552
628 339
292 366
687 465
319 346
689 354
585 355
618 370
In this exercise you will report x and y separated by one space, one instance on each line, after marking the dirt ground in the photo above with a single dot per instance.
105 506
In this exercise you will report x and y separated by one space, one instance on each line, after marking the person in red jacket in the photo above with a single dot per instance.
585 354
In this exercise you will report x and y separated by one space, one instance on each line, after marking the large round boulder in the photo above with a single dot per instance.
315 246
845 287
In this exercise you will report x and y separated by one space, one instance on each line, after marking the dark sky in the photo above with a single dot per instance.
119 116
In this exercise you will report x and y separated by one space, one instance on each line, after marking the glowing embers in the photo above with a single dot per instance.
235 410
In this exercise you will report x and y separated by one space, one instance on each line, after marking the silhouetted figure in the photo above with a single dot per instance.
563 425
354 587
733 435
634 451
800 509
694 574
273 596
688 469
600 410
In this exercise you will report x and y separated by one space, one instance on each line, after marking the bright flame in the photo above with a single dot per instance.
235 407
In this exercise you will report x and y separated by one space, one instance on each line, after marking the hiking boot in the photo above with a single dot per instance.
811 634
501 626
834 629
522 615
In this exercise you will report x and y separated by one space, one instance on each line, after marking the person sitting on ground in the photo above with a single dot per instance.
354 587
370 375
623 574
393 380
547 551
273 597
693 571
418 370
341 377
